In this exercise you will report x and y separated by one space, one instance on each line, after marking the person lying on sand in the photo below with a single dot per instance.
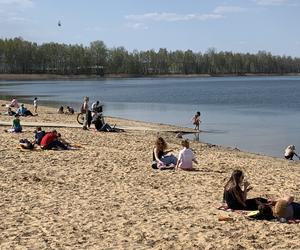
161 156
62 140
186 157
283 208
51 141
235 193
290 152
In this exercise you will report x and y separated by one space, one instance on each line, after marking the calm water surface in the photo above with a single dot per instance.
256 114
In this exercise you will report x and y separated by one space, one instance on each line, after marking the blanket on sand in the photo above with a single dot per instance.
253 215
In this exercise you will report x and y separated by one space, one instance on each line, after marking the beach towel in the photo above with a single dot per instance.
224 207
254 215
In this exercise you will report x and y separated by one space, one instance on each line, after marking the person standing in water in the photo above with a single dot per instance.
196 120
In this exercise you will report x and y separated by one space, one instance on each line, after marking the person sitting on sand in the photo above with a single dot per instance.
16 126
14 103
51 141
235 193
178 135
290 152
69 111
283 208
161 156
9 112
24 111
60 110
196 120
38 135
186 157
96 108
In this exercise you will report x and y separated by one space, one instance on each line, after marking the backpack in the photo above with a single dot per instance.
26 144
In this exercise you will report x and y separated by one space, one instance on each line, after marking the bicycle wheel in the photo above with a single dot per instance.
80 118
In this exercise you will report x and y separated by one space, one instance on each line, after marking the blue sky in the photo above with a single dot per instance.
226 25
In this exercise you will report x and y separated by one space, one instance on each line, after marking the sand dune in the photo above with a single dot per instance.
106 196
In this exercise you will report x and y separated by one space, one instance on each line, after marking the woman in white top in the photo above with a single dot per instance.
35 105
290 152
186 157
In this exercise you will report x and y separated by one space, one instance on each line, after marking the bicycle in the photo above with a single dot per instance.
80 118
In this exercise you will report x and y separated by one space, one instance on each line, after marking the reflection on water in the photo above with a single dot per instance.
259 114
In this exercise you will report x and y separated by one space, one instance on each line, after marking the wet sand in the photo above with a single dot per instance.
106 196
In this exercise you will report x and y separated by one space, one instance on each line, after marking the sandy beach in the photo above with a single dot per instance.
105 195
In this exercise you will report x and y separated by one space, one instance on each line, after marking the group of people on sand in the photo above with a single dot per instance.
235 196
93 115
50 140
46 140
69 110
164 159
20 109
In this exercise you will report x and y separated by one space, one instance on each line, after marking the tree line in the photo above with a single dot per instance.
18 56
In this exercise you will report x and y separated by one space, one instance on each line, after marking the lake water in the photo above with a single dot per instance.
255 114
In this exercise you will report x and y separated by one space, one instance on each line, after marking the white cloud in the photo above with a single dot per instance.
10 10
172 17
16 3
16 19
137 26
228 9
273 2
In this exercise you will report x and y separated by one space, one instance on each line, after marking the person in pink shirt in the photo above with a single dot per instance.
14 103
186 157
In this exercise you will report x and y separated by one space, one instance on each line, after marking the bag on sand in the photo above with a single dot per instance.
26 144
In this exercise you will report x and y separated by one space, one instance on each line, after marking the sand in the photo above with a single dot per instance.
106 196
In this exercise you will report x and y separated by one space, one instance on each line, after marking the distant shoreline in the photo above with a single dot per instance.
32 77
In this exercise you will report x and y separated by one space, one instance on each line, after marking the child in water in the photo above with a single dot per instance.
196 120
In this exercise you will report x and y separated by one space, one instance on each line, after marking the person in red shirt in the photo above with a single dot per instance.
50 141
